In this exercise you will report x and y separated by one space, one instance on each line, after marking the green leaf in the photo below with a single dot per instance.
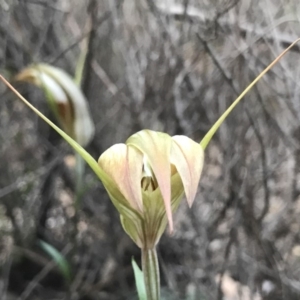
60 260
205 141
139 280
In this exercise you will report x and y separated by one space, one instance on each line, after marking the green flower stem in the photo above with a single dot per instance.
151 273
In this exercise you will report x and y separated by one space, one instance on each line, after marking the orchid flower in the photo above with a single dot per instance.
151 173
147 177
65 99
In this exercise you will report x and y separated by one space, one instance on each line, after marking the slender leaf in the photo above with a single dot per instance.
60 260
139 280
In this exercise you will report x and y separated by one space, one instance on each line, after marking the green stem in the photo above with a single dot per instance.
79 169
151 273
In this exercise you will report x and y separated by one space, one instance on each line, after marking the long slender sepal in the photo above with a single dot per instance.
80 150
205 141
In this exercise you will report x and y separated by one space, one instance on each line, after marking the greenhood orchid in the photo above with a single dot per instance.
147 177
152 171
65 99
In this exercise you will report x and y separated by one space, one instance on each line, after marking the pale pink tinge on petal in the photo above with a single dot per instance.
157 148
188 158
124 165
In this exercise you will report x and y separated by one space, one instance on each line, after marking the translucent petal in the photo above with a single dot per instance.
57 98
157 147
83 125
188 158
124 166
53 87
59 102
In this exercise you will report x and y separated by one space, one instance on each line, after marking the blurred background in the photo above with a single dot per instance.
166 65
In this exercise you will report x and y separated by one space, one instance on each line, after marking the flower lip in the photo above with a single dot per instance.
148 180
